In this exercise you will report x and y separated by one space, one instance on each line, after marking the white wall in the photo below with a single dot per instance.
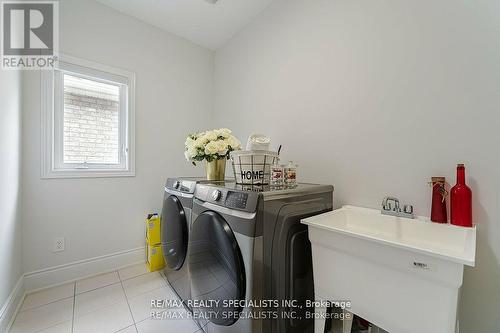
376 97
174 80
10 185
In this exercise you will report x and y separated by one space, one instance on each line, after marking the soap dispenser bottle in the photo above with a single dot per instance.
461 200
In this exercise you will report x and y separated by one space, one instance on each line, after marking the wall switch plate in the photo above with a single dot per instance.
58 244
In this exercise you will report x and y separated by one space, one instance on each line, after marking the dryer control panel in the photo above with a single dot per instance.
181 185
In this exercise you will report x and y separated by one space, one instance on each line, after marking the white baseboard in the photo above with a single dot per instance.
52 276
77 270
11 305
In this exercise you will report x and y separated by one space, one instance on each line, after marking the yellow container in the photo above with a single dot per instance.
154 257
153 225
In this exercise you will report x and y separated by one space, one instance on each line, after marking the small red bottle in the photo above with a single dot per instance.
461 200
438 209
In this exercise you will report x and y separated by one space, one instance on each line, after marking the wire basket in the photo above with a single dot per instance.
253 167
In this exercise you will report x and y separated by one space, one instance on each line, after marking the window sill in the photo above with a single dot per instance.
65 174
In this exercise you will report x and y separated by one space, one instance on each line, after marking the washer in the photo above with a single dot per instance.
175 226
247 243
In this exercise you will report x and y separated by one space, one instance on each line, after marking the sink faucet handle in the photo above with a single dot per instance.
408 209
386 205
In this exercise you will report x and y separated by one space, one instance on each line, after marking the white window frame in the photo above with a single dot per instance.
52 120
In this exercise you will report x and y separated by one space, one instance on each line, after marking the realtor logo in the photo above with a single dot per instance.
29 34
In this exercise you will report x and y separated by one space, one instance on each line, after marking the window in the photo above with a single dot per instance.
88 118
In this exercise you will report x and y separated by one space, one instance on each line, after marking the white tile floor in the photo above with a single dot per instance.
108 303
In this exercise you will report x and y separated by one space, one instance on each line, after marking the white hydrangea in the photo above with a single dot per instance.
210 145
199 143
209 136
192 151
223 132
234 143
222 147
189 141
211 148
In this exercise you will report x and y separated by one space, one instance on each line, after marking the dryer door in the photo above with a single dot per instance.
174 232
216 269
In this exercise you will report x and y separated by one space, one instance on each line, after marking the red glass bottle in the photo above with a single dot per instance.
461 200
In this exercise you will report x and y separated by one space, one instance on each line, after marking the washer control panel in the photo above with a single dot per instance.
236 199
227 197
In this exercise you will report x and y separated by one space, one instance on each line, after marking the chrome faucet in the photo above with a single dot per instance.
387 208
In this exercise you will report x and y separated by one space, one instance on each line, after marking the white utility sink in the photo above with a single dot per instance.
404 275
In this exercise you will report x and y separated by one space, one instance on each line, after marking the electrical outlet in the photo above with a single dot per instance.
58 244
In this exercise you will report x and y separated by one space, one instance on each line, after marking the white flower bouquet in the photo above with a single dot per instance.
210 145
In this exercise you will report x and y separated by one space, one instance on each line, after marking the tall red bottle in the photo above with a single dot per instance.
461 200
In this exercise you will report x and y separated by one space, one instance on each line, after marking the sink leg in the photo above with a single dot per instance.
319 322
347 322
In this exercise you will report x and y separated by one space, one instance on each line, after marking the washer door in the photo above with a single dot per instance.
174 232
216 269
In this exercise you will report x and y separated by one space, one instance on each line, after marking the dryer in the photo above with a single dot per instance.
247 244
175 226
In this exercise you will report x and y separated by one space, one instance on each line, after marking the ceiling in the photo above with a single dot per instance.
206 24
